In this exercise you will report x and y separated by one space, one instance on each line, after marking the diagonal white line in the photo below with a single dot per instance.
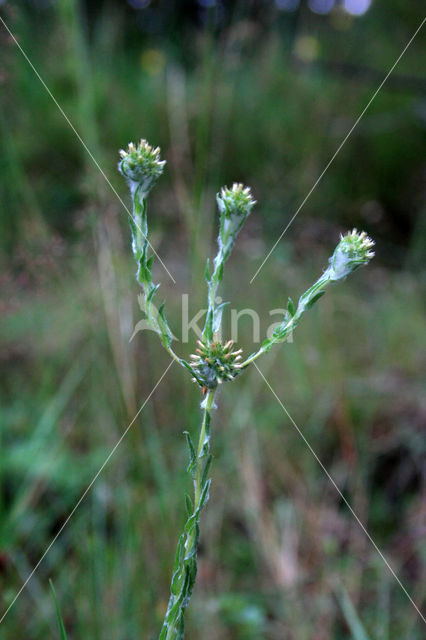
339 148
342 496
83 495
92 157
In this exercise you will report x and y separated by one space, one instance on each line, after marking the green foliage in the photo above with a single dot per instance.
62 631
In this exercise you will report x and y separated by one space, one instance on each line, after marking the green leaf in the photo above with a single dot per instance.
188 504
192 454
144 257
192 574
192 371
62 630
176 585
163 324
267 344
192 552
190 523
204 496
133 229
217 317
219 275
179 553
152 293
314 299
206 470
208 329
290 307
149 263
145 268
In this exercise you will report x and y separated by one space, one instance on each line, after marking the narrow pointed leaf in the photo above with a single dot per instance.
192 454
61 625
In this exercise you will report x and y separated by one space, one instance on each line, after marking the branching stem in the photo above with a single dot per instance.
213 362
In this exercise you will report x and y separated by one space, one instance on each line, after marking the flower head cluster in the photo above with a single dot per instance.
141 165
237 201
353 250
234 205
215 363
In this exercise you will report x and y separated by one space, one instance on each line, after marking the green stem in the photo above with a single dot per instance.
185 567
203 443
139 228
290 323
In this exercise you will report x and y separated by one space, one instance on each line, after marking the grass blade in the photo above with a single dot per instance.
58 613
355 625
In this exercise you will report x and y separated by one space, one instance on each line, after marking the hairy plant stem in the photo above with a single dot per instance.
155 317
203 441
185 568
292 318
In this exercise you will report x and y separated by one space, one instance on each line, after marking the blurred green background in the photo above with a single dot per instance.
261 92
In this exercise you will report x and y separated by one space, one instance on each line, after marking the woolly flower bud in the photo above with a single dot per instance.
141 165
234 205
352 251
237 201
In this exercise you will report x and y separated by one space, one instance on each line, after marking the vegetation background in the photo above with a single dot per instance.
260 92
